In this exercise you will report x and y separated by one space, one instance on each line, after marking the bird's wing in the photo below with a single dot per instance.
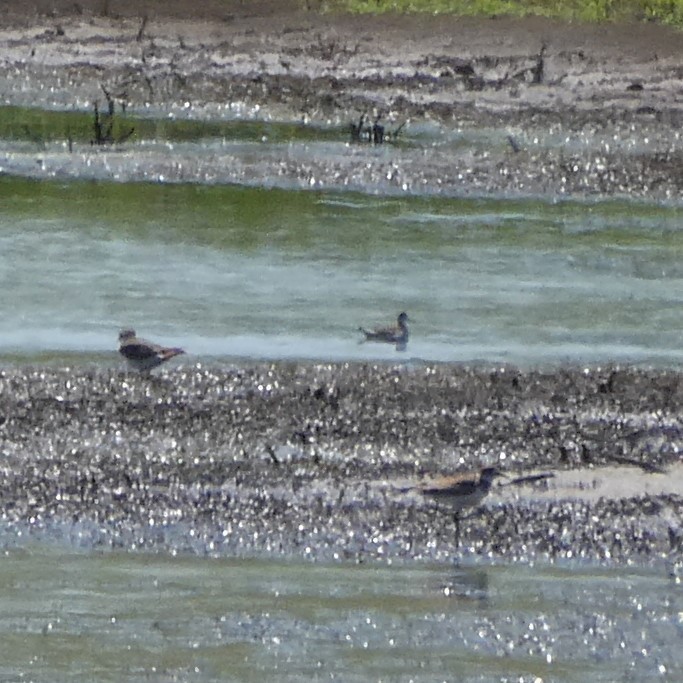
139 349
386 333
449 486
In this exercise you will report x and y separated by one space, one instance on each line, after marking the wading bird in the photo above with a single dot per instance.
144 355
459 491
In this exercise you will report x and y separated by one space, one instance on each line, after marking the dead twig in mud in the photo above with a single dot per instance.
178 77
100 137
537 70
103 124
150 87
271 452
141 31
514 144
534 75
375 134
397 132
357 129
110 101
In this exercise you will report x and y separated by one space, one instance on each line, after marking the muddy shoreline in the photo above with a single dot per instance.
309 460
596 112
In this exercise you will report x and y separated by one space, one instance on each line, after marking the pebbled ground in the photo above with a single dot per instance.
310 460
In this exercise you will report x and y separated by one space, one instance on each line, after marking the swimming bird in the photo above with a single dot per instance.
144 355
459 491
397 335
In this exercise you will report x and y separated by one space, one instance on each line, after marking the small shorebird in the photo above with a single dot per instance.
459 491
144 355
397 335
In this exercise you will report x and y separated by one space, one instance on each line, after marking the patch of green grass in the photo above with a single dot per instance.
662 11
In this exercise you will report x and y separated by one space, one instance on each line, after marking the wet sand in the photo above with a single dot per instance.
292 459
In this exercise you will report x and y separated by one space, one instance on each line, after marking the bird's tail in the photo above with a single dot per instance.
170 353
406 489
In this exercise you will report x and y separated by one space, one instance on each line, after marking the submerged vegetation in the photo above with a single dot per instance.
98 127
663 11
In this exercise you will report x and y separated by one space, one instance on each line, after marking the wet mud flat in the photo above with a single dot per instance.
310 460
569 109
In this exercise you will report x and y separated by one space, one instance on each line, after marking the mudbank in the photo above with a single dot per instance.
313 460
560 109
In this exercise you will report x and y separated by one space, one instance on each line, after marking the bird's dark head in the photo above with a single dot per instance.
126 334
402 318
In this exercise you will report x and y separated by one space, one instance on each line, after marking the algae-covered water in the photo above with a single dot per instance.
235 272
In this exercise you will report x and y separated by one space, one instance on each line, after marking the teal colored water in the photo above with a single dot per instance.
235 272
134 617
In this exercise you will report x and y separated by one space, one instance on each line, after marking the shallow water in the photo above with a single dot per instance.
266 270
235 272
125 617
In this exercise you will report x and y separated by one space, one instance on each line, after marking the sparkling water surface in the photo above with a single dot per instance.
134 617
237 273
